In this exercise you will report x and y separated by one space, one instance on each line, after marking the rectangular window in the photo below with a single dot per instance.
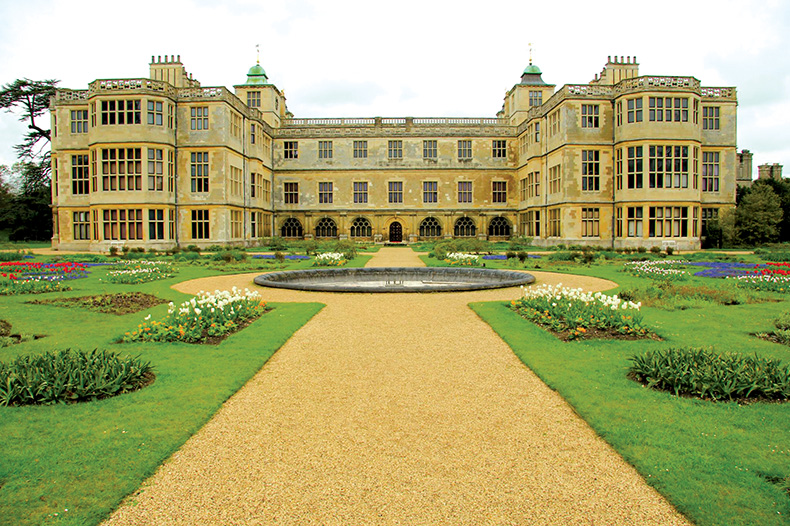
535 98
235 125
635 110
256 225
708 214
634 218
121 169
199 171
325 195
361 192
360 149
266 189
499 149
198 117
395 191
710 171
291 149
590 222
554 223
590 116
252 133
429 149
619 222
522 189
155 113
430 191
155 169
618 169
395 149
200 224
635 167
668 109
291 193
122 225
537 132
171 171
499 191
79 175
619 113
120 112
79 121
171 110
324 149
156 224
591 170
171 224
668 167
533 184
464 149
82 225
555 173
256 185
554 123
254 99
533 223
710 118
464 191
669 221
235 181
236 220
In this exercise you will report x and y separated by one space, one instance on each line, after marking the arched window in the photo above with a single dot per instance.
499 227
291 228
326 227
430 227
465 227
361 228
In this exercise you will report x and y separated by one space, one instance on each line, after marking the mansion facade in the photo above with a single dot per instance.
622 161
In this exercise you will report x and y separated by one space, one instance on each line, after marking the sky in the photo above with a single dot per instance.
418 58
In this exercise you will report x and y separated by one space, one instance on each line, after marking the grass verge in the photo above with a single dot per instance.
714 461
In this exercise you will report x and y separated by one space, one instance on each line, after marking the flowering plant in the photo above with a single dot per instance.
661 270
564 309
139 271
33 278
461 259
207 314
330 259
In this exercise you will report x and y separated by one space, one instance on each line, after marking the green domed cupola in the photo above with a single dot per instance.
532 70
256 76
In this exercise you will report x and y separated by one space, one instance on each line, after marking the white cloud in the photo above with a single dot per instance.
353 58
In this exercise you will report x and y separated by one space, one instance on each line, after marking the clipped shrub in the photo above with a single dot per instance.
70 376
11 256
522 256
193 248
186 256
345 247
229 255
279 257
704 373
277 243
655 250
670 251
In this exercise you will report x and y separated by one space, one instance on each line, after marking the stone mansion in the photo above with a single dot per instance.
622 161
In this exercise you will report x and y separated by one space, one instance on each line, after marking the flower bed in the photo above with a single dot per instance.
330 259
663 270
707 374
462 260
573 313
140 271
35 278
272 256
205 318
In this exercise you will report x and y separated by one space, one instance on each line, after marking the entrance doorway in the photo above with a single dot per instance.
396 232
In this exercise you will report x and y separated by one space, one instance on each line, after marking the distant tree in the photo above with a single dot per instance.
758 217
781 187
30 100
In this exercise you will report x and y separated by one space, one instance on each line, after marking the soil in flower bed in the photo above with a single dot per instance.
9 337
594 333
118 304
215 340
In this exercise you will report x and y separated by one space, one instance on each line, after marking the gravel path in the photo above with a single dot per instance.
395 409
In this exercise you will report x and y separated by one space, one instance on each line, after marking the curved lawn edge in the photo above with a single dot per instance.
672 442
118 443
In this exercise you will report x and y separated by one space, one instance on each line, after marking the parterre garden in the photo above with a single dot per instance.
78 331
686 375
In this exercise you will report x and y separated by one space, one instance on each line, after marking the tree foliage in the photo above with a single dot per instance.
758 216
30 100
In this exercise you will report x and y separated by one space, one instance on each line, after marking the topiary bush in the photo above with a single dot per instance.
70 376
704 373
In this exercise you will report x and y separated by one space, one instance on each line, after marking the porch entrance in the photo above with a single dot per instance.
396 232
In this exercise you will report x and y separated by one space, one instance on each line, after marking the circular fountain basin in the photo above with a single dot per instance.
394 279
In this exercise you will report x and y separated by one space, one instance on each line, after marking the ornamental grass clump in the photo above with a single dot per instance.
660 270
574 312
704 373
207 315
330 259
462 260
139 271
70 376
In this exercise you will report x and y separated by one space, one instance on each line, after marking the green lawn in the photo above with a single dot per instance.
713 461
85 458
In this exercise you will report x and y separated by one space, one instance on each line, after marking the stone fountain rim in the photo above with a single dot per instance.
482 279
